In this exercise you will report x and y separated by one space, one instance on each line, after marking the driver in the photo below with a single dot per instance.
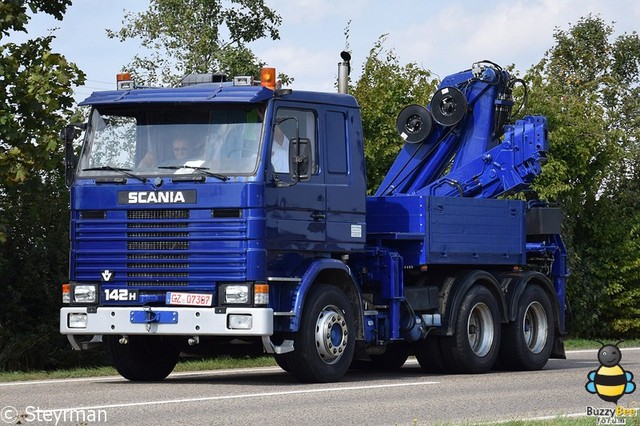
182 150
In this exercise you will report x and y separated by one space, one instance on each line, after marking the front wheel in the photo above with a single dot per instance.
325 342
474 346
528 341
143 358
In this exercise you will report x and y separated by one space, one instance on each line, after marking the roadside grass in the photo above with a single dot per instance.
558 421
565 421
183 366
577 344
234 362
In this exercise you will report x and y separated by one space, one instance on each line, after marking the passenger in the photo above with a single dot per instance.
280 151
279 147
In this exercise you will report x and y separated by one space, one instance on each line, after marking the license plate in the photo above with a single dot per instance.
189 299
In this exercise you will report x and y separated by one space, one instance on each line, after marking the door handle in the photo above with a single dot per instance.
318 215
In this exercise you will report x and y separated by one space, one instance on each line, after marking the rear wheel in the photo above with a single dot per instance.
528 341
325 342
474 346
143 358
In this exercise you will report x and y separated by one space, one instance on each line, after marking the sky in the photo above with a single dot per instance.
443 36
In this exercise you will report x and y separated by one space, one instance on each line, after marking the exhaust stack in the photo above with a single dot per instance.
344 68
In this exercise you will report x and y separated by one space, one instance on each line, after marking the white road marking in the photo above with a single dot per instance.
242 396
584 351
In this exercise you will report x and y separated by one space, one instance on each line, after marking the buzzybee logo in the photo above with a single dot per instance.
610 381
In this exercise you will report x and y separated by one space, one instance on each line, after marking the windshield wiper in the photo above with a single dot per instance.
204 170
126 172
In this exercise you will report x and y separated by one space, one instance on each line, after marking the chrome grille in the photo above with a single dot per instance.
157 274
161 248
156 283
157 214
156 256
158 245
157 234
157 265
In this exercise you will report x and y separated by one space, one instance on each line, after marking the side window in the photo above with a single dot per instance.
336 138
294 134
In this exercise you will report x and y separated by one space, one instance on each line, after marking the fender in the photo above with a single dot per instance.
457 290
318 270
513 285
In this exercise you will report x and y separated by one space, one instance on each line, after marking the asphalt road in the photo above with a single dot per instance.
269 396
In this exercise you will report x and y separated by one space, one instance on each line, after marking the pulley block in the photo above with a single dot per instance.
414 123
448 106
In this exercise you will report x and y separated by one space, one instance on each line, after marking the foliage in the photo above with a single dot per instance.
35 93
14 13
197 36
587 86
35 100
383 90
35 96
32 259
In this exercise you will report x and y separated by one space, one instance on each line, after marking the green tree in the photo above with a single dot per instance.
35 101
197 36
587 86
35 94
383 90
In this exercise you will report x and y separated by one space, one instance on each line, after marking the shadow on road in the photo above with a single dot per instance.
274 376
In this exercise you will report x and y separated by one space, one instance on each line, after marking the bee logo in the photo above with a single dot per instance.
610 381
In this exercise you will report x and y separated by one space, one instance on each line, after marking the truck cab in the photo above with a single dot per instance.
195 205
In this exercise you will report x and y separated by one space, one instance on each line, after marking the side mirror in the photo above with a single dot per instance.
299 158
68 134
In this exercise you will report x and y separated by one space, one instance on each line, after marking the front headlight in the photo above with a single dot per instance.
85 293
236 294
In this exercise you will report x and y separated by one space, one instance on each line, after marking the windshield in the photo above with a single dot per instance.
175 139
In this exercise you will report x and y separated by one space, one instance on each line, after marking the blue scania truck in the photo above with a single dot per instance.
229 212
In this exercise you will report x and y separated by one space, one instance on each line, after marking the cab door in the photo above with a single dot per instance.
295 197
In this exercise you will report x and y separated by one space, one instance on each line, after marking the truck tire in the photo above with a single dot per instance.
283 360
429 355
474 346
527 342
325 342
143 358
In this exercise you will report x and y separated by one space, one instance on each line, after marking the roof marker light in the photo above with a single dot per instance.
124 81
268 77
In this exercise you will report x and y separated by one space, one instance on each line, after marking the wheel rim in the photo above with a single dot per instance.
534 327
480 329
331 334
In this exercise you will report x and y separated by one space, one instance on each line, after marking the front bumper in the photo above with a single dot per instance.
186 321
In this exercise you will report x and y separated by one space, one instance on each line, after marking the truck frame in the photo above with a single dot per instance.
176 254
